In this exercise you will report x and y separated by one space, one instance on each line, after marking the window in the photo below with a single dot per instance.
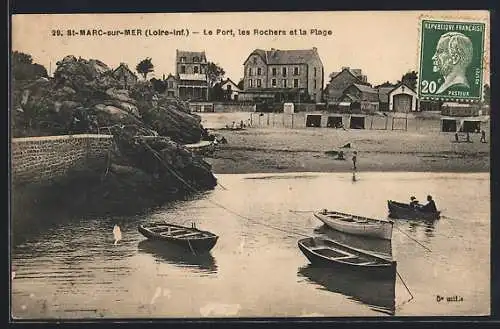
183 69
273 82
250 71
315 74
283 71
296 70
315 84
183 59
274 71
255 59
195 69
250 83
259 71
284 83
170 84
229 87
196 59
295 83
259 83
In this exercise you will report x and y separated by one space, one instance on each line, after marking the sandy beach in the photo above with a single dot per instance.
266 150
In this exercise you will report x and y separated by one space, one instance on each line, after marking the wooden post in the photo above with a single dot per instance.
268 118
292 120
371 123
283 119
274 115
251 119
392 126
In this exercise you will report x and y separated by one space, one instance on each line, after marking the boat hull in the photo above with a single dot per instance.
403 211
372 228
197 246
386 271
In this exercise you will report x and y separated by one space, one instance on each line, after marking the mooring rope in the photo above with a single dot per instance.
190 247
414 240
407 289
216 203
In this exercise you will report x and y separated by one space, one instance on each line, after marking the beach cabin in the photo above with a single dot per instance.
334 121
448 125
461 124
357 122
313 120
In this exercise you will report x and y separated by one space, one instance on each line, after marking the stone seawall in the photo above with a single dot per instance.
44 159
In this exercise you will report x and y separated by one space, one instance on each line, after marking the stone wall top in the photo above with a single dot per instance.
61 137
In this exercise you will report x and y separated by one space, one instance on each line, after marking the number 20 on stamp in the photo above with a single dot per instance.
451 61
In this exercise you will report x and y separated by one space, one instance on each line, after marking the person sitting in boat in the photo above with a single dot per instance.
414 202
430 206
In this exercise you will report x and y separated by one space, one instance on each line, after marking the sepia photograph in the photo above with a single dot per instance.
250 165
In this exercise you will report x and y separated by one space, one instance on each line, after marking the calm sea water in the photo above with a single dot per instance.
73 270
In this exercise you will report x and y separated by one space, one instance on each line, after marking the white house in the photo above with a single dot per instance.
402 98
231 89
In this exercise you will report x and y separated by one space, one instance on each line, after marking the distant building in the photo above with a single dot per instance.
339 81
403 98
383 97
191 74
230 89
283 75
171 84
125 76
363 97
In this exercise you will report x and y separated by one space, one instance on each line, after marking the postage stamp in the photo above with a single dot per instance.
451 60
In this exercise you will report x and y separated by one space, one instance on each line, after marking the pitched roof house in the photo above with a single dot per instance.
125 76
278 71
339 81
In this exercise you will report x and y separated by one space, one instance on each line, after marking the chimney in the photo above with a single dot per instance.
315 49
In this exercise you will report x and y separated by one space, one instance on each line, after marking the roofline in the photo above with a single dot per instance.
255 51
398 85
349 71
126 67
375 91
229 79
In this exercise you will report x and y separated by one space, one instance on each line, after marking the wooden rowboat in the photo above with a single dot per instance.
328 253
356 225
192 239
404 211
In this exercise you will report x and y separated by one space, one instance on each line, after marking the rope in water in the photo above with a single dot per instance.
414 240
216 203
407 289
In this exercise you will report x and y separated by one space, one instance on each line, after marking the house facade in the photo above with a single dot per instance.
171 83
402 98
125 76
339 81
283 74
231 90
191 74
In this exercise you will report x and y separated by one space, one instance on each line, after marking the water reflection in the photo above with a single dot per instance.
178 256
414 226
378 246
378 294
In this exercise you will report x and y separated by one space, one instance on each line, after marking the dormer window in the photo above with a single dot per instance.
195 69
255 59
183 59
196 59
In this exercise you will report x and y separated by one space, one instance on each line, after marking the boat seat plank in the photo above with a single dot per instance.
366 263
188 235
346 257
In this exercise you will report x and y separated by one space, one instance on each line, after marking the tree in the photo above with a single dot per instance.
215 74
23 67
410 79
385 84
145 67
486 94
241 84
216 93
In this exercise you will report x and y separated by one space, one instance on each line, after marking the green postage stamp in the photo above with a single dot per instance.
451 61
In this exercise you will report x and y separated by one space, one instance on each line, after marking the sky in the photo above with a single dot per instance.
384 44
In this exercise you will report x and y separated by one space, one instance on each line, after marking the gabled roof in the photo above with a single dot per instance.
365 88
383 94
170 75
333 75
292 56
124 66
230 81
399 84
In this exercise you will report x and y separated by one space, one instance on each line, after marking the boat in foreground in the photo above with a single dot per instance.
356 225
404 211
329 253
192 239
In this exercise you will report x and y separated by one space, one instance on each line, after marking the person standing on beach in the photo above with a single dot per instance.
483 136
354 160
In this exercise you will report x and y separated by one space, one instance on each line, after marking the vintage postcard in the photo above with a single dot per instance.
236 165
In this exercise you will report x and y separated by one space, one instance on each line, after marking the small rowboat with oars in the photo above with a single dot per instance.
192 239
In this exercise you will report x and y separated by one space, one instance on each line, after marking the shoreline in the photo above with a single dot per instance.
258 150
